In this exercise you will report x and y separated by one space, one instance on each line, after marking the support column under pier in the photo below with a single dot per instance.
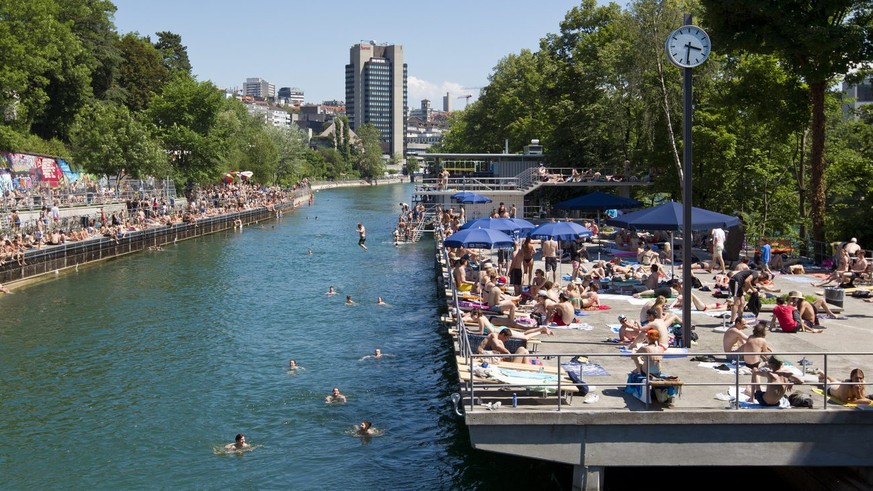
588 478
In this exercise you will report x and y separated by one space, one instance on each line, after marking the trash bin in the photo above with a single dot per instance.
834 296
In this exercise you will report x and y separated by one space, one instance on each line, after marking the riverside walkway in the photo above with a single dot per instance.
701 428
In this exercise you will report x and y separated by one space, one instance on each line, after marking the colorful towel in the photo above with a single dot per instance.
834 400
670 353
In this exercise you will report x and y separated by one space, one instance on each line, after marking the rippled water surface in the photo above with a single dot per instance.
129 374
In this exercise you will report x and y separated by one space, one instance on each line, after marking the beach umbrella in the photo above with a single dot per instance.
523 224
479 238
470 197
598 201
505 225
668 216
559 231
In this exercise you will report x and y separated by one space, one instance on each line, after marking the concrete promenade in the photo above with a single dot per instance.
699 429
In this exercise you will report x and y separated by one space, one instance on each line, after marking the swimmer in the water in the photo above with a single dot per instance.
238 444
377 354
349 300
309 253
331 291
335 396
379 301
365 428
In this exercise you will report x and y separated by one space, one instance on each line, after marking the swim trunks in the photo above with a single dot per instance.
362 240
551 264
515 276
759 396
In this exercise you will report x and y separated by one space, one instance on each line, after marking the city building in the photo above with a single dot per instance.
291 96
271 114
259 89
447 102
857 95
376 92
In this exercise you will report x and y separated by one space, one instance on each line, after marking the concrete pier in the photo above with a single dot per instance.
699 429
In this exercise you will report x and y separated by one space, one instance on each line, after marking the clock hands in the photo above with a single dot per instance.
688 48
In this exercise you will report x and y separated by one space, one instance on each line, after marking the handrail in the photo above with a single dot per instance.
685 383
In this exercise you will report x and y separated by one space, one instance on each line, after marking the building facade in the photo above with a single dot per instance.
857 95
376 92
292 96
259 89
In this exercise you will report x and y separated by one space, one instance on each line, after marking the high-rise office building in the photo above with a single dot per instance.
259 88
376 92
447 102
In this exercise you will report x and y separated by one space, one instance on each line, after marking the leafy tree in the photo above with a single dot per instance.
291 146
108 140
91 22
186 115
141 73
369 162
817 40
412 165
173 53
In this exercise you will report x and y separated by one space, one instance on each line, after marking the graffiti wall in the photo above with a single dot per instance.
25 171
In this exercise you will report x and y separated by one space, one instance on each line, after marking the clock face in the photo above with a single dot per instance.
688 46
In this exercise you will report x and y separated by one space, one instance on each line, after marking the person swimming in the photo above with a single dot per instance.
379 301
349 300
335 397
238 444
365 428
309 253
331 292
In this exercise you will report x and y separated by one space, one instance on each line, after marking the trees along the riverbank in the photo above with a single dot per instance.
599 91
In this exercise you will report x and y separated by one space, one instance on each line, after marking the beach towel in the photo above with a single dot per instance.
835 317
748 403
834 400
467 305
523 378
580 326
586 369
670 353
799 278
580 313
602 307
719 367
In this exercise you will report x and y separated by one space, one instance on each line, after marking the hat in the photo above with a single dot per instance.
542 293
501 280
622 317
795 294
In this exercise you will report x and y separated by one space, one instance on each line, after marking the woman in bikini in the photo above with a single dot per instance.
528 251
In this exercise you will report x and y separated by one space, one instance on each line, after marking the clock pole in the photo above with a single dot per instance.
686 205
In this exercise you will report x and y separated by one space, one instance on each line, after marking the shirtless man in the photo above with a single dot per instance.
493 344
779 383
859 267
755 345
550 255
629 329
331 292
735 337
808 310
335 397
515 269
498 301
740 284
239 443
486 327
362 232
653 322
460 276
564 313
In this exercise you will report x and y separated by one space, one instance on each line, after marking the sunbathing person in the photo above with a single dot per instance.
653 322
809 310
734 337
779 383
847 392
564 314
493 344
842 269
650 365
497 300
629 329
755 345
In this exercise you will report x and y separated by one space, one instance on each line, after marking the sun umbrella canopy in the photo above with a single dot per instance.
505 225
559 231
669 217
469 197
479 238
598 201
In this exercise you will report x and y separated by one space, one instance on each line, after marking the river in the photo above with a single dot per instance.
136 372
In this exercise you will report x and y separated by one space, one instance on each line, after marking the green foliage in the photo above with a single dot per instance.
173 53
107 139
412 166
369 162
141 73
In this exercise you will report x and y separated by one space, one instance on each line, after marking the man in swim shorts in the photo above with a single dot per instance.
550 255
335 396
779 383
363 236
493 344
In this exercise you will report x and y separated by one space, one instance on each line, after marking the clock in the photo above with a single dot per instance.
688 46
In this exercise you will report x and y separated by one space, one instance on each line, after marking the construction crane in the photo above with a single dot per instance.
468 96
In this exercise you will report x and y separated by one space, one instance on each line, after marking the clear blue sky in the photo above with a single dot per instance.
448 44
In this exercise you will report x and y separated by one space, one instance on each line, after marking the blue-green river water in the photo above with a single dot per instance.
131 374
